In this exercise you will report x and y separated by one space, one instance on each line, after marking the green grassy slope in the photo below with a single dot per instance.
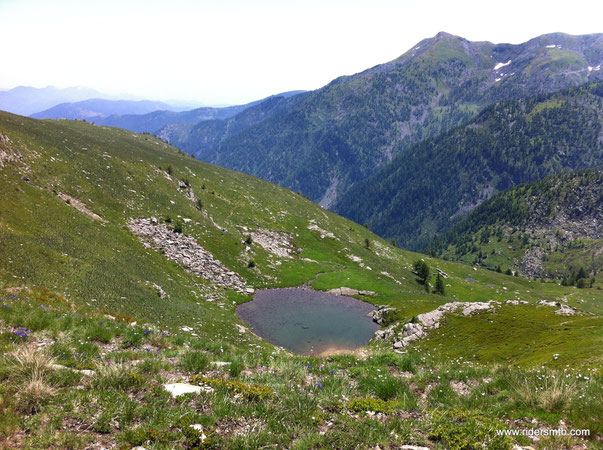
73 380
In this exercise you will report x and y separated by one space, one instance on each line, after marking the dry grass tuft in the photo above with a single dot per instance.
29 363
547 391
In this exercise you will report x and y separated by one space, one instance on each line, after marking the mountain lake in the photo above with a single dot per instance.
309 322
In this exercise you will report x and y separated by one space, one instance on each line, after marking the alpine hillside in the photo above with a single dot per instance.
550 228
123 259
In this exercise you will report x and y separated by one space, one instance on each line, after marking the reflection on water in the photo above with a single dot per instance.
309 322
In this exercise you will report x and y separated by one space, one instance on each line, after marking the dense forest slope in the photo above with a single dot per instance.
327 140
427 189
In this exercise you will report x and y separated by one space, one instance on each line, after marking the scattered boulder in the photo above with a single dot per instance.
472 308
546 303
516 302
384 333
159 290
566 311
355 258
380 314
442 273
323 233
7 153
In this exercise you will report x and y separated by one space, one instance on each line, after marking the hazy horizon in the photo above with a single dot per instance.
234 52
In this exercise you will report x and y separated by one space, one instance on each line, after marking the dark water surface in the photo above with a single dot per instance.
309 322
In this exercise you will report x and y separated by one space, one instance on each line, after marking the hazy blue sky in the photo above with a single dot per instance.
233 51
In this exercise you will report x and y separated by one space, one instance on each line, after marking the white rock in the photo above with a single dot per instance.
178 389
220 363
545 303
566 311
199 428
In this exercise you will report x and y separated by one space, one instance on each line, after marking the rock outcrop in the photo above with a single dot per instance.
418 328
323 233
8 154
379 314
178 389
564 310
349 291
186 251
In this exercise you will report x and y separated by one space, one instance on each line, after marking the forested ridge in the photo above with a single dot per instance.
427 189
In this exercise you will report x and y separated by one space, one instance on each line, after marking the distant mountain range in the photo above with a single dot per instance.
323 142
26 100
96 109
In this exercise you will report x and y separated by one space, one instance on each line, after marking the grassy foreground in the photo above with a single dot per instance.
70 379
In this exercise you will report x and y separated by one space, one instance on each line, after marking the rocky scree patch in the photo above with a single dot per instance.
186 251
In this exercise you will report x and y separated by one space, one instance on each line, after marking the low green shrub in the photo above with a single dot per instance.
194 361
373 404
393 316
467 430
247 391
236 367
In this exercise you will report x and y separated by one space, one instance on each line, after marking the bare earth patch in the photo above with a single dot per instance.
80 206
